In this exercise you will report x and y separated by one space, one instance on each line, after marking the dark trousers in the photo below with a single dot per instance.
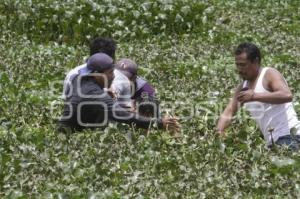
291 141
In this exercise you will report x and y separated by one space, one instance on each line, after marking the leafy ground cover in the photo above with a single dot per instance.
184 49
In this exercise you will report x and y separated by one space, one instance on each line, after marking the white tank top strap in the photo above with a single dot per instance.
245 84
259 84
261 76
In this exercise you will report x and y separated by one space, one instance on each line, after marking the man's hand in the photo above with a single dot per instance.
245 96
221 133
111 92
171 124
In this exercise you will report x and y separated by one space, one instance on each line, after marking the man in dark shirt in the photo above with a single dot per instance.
88 106
97 45
144 99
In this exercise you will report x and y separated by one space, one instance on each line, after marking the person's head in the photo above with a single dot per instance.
128 67
102 67
247 60
103 45
147 106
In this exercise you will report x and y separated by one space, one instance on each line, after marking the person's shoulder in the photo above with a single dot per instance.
141 82
80 66
272 72
73 72
147 86
76 69
270 69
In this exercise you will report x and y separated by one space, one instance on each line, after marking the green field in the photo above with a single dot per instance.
185 49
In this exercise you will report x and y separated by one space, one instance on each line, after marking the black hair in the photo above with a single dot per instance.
103 45
251 51
148 106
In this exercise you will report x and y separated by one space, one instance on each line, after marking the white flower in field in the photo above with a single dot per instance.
185 10
204 19
209 10
119 23
281 162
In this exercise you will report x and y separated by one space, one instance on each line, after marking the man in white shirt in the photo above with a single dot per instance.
133 92
266 95
123 83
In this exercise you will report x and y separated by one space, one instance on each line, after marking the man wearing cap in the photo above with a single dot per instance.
130 89
88 106
144 99
97 45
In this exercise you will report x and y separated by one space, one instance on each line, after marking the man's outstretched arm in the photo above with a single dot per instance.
227 115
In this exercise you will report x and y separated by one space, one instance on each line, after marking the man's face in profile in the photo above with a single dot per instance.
245 68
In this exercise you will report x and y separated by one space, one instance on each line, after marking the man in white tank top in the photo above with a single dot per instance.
266 95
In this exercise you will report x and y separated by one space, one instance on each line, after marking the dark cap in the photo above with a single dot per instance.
127 67
100 62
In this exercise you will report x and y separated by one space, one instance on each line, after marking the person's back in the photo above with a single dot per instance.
145 100
69 77
82 111
143 88
87 104
121 86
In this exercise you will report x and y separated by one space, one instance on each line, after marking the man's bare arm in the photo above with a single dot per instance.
280 92
276 84
227 115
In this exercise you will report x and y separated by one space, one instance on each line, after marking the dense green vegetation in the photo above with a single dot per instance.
184 49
